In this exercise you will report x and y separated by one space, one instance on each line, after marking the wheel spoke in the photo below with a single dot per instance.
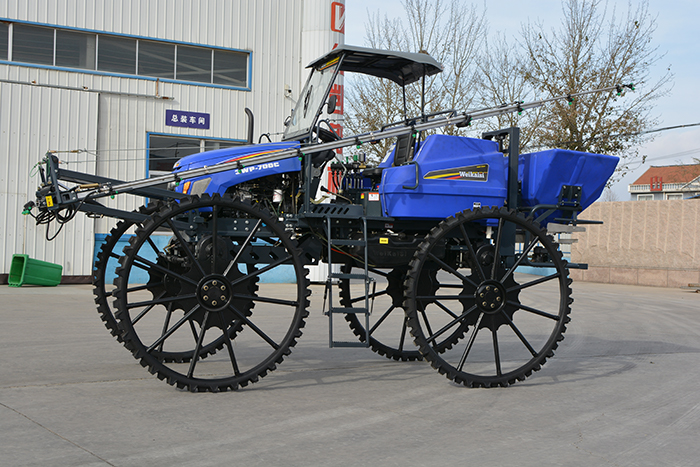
260 271
166 323
496 353
427 322
153 246
450 324
378 272
257 330
445 297
370 296
195 334
452 271
535 282
142 287
229 346
470 343
445 309
242 247
520 259
403 333
175 327
472 253
519 334
143 313
146 267
161 269
274 301
380 320
185 246
198 347
160 300
533 310
497 249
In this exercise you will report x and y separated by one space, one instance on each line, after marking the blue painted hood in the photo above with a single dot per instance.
236 153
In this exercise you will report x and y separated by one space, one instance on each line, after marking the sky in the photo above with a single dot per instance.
677 35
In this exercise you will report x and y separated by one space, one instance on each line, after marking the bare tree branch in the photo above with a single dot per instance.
593 47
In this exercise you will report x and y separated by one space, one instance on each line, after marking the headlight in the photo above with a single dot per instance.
200 186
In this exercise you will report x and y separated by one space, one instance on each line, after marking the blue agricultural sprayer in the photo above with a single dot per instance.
447 239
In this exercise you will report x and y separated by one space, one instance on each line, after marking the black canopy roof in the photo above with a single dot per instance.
400 67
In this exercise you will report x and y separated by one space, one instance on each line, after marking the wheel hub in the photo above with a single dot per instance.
214 292
490 297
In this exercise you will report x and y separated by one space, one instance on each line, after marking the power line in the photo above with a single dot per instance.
677 154
621 135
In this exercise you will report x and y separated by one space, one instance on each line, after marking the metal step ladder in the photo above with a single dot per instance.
334 277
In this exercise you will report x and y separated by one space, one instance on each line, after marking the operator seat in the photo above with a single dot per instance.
403 153
405 146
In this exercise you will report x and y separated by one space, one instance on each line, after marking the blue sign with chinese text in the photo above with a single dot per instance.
187 119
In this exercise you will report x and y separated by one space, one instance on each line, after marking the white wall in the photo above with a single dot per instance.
35 118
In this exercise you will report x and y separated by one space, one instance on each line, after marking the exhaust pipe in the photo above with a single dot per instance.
251 122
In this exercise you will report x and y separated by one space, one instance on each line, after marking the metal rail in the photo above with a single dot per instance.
107 189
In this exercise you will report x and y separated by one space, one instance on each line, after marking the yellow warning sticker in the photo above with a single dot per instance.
329 64
384 241
49 201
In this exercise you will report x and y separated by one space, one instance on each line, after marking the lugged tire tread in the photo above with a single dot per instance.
415 327
154 366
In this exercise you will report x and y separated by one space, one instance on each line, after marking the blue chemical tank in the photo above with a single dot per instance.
457 173
454 174
544 173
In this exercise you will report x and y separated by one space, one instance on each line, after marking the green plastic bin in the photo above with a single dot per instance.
25 270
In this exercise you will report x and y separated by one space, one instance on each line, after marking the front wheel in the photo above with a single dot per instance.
194 276
515 316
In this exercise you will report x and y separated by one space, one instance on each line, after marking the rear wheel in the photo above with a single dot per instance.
388 322
388 326
515 320
106 263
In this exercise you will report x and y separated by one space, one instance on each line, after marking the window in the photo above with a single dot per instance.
32 44
4 34
164 151
116 54
193 64
230 68
75 49
212 144
674 196
645 197
156 59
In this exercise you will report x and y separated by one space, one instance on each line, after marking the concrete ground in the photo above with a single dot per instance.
622 390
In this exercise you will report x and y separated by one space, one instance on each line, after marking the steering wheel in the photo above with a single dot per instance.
327 135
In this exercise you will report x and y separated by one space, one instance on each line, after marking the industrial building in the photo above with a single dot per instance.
123 88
